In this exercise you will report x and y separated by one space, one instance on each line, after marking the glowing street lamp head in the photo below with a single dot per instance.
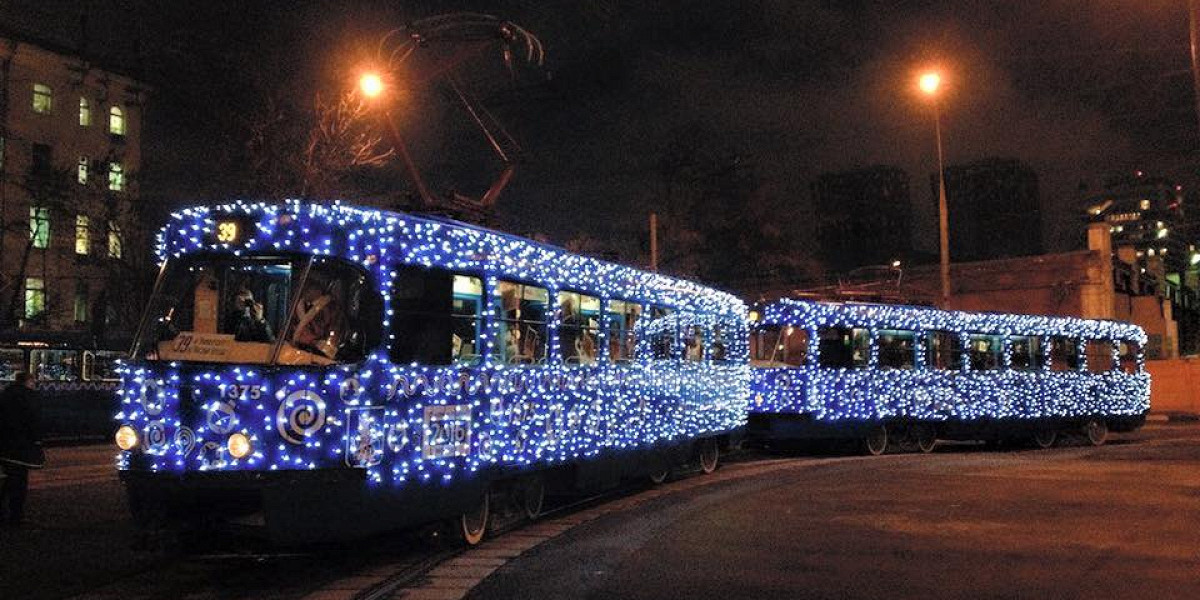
930 82
371 85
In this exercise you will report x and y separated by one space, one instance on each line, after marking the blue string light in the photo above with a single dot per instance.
925 393
404 423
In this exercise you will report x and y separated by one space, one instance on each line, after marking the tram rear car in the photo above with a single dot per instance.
327 372
890 376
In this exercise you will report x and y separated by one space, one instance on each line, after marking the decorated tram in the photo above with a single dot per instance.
323 371
894 376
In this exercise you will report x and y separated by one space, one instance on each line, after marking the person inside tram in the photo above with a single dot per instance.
317 324
569 331
512 344
245 319
511 305
718 345
693 349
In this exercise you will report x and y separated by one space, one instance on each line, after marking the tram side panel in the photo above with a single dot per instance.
826 403
810 400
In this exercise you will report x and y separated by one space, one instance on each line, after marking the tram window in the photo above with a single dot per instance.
985 351
622 329
1099 356
12 361
101 366
718 350
1064 354
693 343
523 310
1129 352
55 365
661 330
336 317
466 320
1026 352
437 317
220 309
578 327
779 346
844 347
944 350
897 349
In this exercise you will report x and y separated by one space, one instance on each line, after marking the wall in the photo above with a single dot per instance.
1175 386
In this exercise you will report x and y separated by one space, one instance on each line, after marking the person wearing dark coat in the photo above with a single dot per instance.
20 445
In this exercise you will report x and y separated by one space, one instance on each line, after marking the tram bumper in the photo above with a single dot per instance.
284 507
289 507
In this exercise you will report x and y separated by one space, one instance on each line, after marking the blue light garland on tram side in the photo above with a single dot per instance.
404 423
928 394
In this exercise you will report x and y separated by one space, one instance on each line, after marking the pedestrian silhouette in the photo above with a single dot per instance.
20 445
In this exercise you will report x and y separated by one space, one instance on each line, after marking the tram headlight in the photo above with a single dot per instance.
127 438
239 445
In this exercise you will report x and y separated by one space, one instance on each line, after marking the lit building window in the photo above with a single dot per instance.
115 243
82 170
116 121
82 234
116 177
1145 204
35 297
85 112
43 98
39 226
81 301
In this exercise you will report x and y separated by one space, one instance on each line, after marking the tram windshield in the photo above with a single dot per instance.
242 309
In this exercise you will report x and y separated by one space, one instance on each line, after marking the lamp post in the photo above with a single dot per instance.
372 86
930 84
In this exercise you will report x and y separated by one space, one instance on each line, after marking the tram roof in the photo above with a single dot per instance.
789 311
374 237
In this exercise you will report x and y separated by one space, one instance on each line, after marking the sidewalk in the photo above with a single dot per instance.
75 465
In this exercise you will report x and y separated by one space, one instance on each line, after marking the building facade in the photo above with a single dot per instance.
1145 213
994 209
71 245
866 204
1154 237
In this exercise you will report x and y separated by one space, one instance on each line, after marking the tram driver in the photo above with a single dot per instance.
317 325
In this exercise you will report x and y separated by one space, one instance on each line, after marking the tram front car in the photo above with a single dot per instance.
264 387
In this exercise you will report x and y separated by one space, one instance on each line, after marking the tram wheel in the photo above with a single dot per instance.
875 442
1045 437
710 455
926 438
473 523
1096 431
533 497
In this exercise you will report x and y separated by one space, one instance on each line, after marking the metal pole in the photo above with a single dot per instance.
413 173
654 242
1194 34
943 220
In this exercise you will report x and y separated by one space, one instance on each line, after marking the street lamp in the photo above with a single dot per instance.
371 85
930 84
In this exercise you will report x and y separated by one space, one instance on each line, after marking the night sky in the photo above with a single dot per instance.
792 88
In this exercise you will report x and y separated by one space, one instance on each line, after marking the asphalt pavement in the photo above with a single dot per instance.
1120 521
